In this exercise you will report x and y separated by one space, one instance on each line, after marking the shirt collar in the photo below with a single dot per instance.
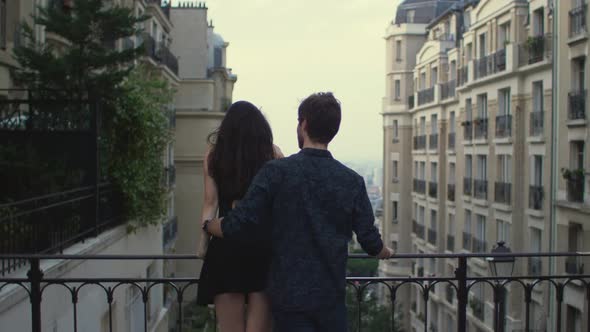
316 152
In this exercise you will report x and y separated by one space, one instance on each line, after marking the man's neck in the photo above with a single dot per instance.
313 145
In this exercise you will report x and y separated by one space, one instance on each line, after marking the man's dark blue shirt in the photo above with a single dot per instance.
308 204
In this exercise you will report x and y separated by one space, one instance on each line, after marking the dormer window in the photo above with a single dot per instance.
410 14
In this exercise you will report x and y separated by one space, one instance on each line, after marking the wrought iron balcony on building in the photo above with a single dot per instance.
420 142
420 186
433 141
447 89
480 128
578 20
418 229
458 289
537 123
160 53
536 196
535 49
577 105
451 192
504 126
432 236
462 75
502 192
490 64
426 96
481 189
575 187
467 186
433 189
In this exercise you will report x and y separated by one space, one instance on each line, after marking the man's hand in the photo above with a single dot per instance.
385 253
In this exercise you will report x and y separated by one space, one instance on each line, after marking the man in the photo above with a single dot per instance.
308 204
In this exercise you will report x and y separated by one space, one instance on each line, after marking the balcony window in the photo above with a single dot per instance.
481 123
480 182
535 245
539 22
395 130
397 91
504 118
394 170
503 187
479 237
577 19
452 136
398 50
536 191
394 218
537 114
503 231
577 97
503 35
468 124
573 265
433 76
467 231
575 176
432 230
426 96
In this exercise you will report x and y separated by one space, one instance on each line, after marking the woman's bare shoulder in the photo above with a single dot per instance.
278 152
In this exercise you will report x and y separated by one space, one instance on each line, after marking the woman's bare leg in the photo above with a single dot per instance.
229 308
259 317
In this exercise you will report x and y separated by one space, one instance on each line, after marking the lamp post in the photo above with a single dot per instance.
500 266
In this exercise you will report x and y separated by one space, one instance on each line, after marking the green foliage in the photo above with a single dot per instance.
374 315
362 267
573 175
137 133
84 60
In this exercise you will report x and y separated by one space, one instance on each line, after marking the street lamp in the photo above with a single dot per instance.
500 266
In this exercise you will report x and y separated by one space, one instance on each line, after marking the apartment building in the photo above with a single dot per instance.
468 153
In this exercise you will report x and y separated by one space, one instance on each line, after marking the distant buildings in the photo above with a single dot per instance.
468 119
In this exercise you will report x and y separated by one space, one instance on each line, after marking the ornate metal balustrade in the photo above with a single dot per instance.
459 289
426 96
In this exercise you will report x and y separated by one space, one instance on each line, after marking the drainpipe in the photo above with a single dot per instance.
554 159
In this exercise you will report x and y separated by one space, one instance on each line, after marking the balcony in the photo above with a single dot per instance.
433 189
578 24
451 192
160 53
479 245
573 265
504 126
467 130
420 186
420 142
426 96
411 102
577 105
467 241
503 192
447 89
451 141
535 266
535 49
481 189
537 123
450 242
536 196
433 141
432 236
481 128
462 75
575 186
490 64
35 291
467 186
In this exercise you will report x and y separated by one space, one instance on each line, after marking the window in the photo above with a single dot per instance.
422 81
423 125
421 216
397 93
574 239
537 171
504 168
3 23
394 213
468 52
468 166
482 167
451 225
395 129
434 124
416 170
482 106
467 20
504 101
483 50
433 219
452 123
398 50
480 233
503 35
538 96
218 57
535 240
410 14
433 172
452 173
433 77
579 74
538 22
422 170
577 153
453 70
503 228
394 170
468 110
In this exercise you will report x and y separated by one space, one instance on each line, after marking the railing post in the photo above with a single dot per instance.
462 293
35 276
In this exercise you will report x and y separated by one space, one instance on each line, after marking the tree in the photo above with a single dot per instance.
84 62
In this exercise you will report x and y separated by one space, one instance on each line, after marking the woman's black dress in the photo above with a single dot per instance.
231 267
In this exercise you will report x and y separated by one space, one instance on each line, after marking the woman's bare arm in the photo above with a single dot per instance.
210 198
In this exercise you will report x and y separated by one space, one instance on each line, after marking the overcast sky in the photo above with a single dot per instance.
284 50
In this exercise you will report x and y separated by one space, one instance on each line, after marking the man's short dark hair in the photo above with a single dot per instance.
322 113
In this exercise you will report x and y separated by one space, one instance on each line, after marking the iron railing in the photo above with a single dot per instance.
432 236
535 49
420 142
536 196
426 96
160 53
577 105
504 126
481 188
433 189
578 23
447 89
502 192
451 192
467 186
537 123
462 75
467 130
490 64
419 186
433 141
481 128
452 140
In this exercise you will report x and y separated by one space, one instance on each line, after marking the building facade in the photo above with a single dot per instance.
468 154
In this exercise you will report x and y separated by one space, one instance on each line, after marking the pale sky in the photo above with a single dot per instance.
284 50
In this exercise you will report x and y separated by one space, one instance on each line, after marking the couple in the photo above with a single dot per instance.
283 248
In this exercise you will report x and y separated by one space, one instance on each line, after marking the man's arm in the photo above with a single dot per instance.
249 213
363 224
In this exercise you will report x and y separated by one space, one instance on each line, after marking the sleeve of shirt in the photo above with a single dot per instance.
250 213
363 223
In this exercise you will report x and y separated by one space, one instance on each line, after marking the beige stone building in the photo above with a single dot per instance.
468 117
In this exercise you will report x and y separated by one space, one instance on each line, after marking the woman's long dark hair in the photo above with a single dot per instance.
240 146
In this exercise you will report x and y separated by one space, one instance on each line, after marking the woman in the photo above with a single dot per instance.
234 275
